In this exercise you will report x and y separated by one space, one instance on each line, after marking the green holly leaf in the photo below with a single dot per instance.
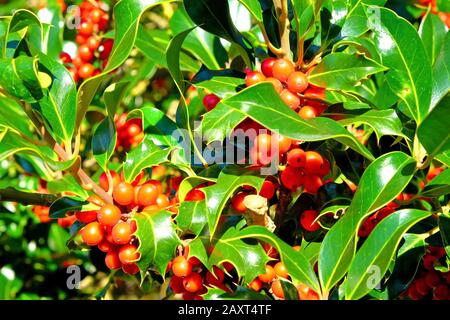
203 45
157 240
432 32
300 270
104 141
440 185
145 155
403 52
343 71
433 133
441 73
248 258
381 182
383 122
192 216
375 255
214 17
63 205
230 179
262 104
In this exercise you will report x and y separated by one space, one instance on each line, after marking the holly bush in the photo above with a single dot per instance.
214 149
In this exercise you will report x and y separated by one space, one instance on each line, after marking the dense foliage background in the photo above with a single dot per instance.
127 105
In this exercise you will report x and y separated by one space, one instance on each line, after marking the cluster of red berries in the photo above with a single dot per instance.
191 279
430 283
129 133
292 85
111 226
275 271
93 51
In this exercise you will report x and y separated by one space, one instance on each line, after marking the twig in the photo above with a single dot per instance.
26 198
281 9
277 51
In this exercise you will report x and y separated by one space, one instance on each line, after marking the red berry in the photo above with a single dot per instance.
267 66
65 57
109 215
442 292
256 285
283 143
268 276
148 193
176 284
282 69
290 99
238 201
422 287
194 195
307 112
432 279
277 85
181 267
121 233
312 184
106 246
314 163
85 29
297 82
292 178
86 216
96 15
128 254
193 282
123 194
85 53
254 77
307 220
104 180
210 101
112 260
296 158
92 234
281 271
86 71
267 189
131 268
277 289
